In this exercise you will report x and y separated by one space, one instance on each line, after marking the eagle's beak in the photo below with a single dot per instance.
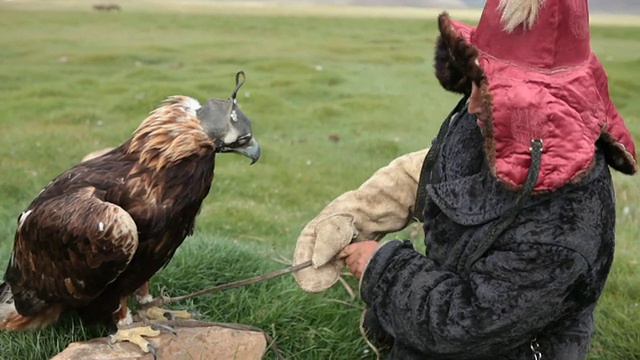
250 150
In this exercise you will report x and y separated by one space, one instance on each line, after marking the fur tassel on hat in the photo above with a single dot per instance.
519 12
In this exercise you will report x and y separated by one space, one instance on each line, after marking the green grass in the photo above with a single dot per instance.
75 81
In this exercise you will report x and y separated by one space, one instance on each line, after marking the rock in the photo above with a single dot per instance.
214 342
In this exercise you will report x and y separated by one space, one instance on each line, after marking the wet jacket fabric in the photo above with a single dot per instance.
537 283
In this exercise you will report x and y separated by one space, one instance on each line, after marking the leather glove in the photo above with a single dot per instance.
381 205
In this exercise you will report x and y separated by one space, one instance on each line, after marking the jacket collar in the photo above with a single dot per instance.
481 198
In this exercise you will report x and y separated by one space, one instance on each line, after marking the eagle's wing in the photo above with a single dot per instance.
67 249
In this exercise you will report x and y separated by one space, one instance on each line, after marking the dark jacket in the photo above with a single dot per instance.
540 279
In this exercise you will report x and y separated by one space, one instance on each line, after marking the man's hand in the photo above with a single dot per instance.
357 256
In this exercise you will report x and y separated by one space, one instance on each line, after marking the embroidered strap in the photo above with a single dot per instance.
429 162
507 218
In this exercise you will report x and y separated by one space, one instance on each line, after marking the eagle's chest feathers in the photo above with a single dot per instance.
172 195
169 177
164 205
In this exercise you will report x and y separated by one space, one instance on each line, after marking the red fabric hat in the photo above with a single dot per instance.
538 79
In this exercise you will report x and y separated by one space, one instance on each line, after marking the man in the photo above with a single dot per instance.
515 195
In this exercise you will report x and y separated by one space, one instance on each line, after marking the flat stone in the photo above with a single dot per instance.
202 342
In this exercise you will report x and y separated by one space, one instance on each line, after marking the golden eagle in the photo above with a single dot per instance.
96 233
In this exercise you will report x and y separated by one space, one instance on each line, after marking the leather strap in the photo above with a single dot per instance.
429 162
507 218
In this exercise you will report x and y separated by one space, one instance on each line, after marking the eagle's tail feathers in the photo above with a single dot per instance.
5 293
7 308
11 320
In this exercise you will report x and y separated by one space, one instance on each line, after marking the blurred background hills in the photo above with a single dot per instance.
601 6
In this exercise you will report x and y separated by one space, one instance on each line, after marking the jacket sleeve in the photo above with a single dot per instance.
438 312
382 204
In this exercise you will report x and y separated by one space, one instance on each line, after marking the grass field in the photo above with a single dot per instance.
332 98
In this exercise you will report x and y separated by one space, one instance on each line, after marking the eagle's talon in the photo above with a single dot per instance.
164 327
195 314
110 340
153 351
136 336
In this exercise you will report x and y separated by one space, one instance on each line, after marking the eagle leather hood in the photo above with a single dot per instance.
224 121
538 80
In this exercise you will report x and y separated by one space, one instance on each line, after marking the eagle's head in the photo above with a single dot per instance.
223 121
182 127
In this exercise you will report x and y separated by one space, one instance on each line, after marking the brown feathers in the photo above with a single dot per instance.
80 242
171 133
13 321
97 153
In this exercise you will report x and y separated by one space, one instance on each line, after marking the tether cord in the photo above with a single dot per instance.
507 218
161 300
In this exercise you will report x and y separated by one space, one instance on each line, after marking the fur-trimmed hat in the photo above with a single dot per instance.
539 79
